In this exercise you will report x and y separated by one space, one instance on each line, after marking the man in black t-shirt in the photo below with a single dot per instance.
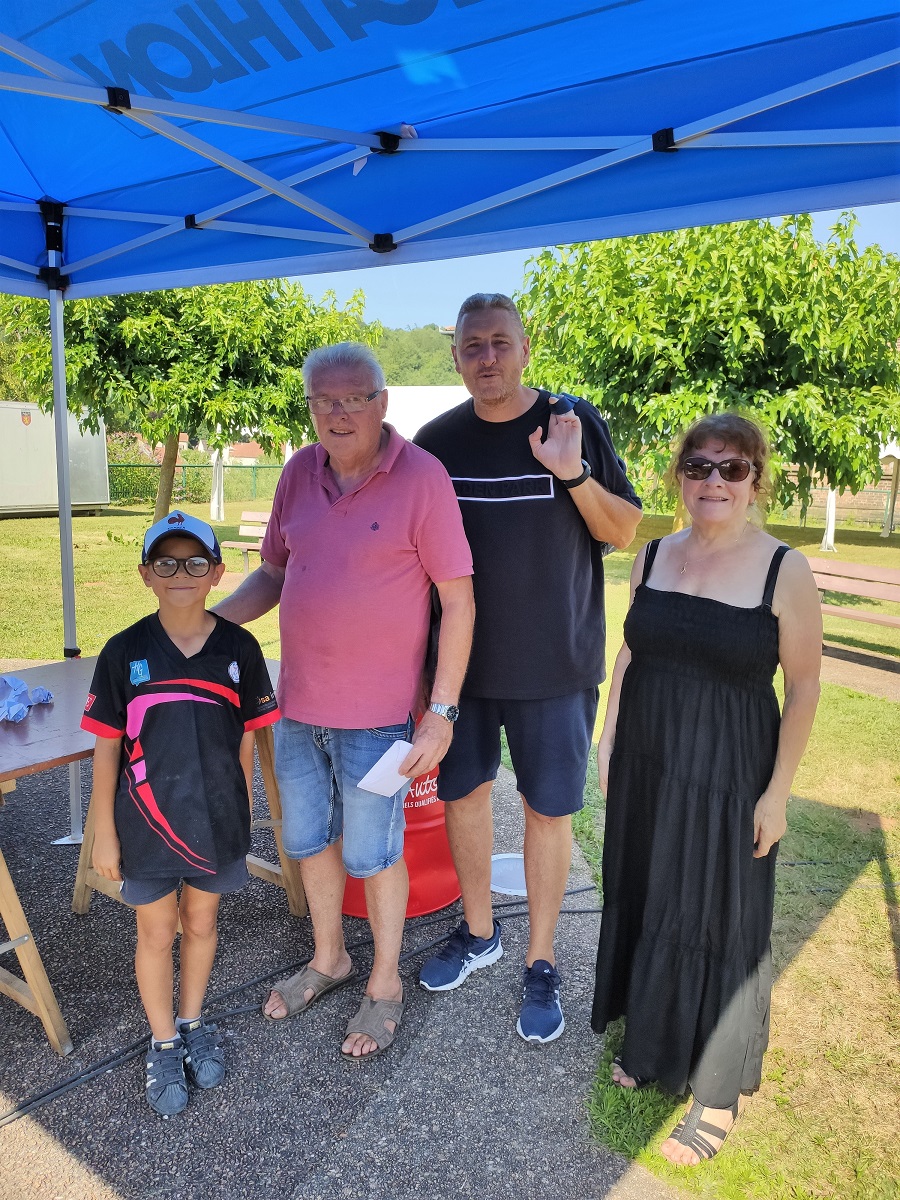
543 496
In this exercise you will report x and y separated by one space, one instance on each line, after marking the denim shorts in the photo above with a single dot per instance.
549 743
318 772
230 878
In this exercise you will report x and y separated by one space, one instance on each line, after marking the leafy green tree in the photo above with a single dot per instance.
220 359
661 329
416 356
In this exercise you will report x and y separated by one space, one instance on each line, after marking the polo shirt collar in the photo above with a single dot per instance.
396 442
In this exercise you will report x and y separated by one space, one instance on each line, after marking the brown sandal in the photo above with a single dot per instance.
292 989
370 1021
690 1130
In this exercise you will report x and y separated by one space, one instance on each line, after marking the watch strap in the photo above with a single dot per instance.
568 484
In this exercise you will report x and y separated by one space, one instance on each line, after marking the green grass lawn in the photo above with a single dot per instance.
824 1124
109 592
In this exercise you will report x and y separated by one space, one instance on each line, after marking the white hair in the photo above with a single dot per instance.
343 354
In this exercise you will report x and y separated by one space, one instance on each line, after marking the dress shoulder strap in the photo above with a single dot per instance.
649 556
772 577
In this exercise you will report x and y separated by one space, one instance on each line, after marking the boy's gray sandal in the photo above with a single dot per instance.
292 989
370 1021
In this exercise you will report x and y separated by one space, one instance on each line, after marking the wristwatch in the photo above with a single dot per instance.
585 474
448 711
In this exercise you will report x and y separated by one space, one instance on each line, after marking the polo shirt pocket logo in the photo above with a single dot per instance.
140 672
374 525
234 672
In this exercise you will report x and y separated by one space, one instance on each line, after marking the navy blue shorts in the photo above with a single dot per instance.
230 878
549 743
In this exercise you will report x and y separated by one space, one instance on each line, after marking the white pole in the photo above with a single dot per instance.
217 495
892 498
63 485
830 515
66 554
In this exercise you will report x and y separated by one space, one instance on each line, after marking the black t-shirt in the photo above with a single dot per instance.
182 807
540 627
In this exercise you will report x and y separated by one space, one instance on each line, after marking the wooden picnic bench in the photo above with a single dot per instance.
855 579
253 525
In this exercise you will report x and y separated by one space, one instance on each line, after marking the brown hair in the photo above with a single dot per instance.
483 300
730 429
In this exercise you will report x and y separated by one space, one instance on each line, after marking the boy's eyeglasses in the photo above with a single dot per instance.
350 404
165 568
731 470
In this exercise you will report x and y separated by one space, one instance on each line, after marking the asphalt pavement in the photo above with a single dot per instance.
459 1106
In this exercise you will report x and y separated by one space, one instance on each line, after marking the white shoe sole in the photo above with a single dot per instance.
539 1041
483 960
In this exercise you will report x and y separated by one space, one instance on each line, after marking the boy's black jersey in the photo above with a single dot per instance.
181 804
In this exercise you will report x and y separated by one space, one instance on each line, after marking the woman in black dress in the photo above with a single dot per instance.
696 764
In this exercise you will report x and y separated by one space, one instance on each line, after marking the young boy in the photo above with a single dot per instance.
174 702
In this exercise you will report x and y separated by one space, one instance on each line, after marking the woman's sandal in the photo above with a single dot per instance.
293 990
639 1080
690 1129
370 1021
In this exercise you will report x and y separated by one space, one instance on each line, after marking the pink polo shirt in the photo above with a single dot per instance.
356 603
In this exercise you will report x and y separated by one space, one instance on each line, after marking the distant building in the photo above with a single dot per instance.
242 454
410 407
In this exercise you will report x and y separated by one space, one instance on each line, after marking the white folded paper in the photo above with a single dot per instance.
384 778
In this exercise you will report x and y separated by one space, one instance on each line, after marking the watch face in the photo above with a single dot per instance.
452 712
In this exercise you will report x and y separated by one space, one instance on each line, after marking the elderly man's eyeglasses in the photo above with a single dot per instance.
321 406
165 568
732 470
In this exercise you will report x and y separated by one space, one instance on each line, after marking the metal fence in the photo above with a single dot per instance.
134 483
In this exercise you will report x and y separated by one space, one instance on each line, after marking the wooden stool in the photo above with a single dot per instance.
34 992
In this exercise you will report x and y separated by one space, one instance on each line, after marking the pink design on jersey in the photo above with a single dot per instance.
137 708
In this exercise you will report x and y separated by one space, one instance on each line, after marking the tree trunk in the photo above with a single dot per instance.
166 478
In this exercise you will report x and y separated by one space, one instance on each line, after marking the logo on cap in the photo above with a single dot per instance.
176 519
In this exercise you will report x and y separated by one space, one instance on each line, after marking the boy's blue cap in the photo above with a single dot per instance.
181 524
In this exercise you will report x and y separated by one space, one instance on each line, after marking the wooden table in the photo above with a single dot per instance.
50 736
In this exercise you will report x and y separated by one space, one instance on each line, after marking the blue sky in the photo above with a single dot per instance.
421 293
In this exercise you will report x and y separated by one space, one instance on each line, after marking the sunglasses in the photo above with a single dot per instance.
731 470
165 568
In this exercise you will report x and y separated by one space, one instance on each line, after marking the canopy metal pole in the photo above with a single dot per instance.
67 558
63 485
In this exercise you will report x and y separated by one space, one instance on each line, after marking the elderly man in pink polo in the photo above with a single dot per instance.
362 525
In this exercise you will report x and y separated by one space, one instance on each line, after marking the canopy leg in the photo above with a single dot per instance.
63 485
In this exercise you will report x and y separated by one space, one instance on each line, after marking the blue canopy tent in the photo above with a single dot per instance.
167 143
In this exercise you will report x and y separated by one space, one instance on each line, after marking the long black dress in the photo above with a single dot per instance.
684 948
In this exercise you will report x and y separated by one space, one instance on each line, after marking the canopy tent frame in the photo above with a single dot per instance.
151 112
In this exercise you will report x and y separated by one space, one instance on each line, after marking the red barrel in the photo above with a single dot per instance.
432 876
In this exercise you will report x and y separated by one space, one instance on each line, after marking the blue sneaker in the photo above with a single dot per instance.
540 1017
205 1062
460 955
166 1086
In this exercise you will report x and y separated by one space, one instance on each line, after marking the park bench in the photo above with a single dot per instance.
253 525
855 579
